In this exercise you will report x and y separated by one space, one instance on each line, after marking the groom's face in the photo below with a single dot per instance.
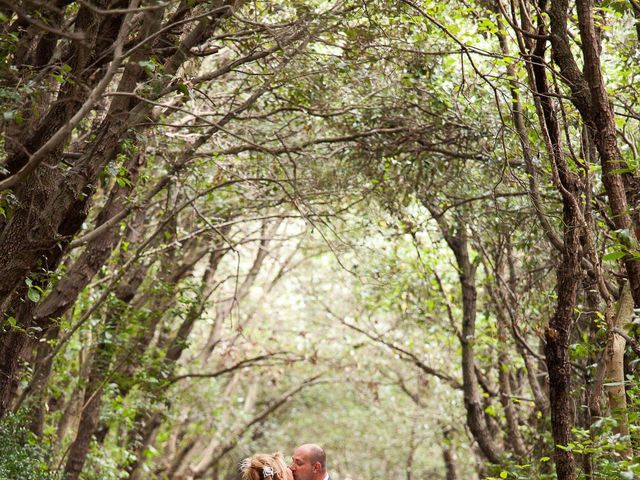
301 465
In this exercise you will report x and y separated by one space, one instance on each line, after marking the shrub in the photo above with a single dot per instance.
21 456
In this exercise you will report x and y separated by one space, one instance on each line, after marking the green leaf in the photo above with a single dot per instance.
491 411
33 294
183 89
624 237
616 255
621 170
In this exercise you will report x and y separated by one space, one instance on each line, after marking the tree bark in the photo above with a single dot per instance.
90 410
100 371
73 409
557 336
590 97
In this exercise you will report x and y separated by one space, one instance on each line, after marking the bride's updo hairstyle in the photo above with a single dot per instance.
263 466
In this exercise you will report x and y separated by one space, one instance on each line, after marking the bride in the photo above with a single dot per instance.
263 466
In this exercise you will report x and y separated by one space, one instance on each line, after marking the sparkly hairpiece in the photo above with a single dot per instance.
267 471
244 464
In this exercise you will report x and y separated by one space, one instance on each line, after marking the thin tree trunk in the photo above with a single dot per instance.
100 372
72 411
614 368
90 410
558 333
411 454
457 242
448 455
42 372
516 442
558 338
603 129
635 5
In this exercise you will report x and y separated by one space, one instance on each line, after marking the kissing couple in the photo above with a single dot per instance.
308 462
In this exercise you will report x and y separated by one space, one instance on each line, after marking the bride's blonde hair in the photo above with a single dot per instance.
262 466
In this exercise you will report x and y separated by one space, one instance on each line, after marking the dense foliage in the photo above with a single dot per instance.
405 230
22 456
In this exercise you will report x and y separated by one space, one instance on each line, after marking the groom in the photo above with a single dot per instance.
309 462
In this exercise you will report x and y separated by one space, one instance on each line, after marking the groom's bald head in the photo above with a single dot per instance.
309 462
315 454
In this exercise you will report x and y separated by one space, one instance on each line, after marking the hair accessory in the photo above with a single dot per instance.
267 471
244 464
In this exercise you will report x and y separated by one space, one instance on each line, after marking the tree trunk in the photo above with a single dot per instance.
410 455
448 455
558 333
42 372
53 202
603 129
635 5
90 411
557 336
516 442
614 368
457 242
53 208
73 409
589 95
100 371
